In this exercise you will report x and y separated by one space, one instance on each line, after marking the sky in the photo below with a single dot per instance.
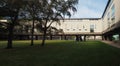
90 9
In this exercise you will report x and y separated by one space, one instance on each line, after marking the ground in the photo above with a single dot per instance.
59 53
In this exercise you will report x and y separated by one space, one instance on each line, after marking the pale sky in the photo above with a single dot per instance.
90 9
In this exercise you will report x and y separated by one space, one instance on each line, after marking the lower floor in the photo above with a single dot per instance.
55 37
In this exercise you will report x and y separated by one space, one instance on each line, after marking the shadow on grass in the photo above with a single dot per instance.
60 53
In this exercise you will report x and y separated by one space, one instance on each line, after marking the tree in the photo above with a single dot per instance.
11 11
33 9
52 11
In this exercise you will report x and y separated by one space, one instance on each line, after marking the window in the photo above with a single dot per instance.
113 19
113 11
111 2
73 29
91 28
67 29
113 14
85 29
108 19
79 29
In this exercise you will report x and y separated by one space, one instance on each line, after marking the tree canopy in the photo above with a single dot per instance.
46 12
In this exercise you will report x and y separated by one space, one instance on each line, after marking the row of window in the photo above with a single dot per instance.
111 15
92 27
75 29
91 30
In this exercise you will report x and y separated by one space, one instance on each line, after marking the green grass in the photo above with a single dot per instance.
59 53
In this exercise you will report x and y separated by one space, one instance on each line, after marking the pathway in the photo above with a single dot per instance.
115 44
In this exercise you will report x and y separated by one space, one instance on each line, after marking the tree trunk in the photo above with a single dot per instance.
44 38
10 29
32 33
10 37
80 38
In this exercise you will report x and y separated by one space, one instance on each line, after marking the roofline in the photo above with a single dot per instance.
82 18
106 8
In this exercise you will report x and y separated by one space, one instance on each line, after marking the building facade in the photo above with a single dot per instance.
111 20
107 27
82 25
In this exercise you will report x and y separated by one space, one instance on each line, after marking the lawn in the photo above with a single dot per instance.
59 53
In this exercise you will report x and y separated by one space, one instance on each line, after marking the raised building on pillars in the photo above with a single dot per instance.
107 27
111 20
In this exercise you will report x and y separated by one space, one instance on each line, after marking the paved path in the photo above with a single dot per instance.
117 45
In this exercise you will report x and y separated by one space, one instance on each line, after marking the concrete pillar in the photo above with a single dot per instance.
94 37
80 38
50 37
77 38
28 37
61 37
20 37
110 37
65 38
102 37
36 37
105 37
84 37
119 37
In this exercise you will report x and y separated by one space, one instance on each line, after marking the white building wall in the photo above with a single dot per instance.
108 23
103 24
79 26
117 10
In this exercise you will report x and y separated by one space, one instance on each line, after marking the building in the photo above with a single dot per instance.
107 27
111 21
90 27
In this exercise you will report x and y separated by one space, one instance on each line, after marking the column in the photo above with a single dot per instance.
84 37
80 38
94 37
103 37
76 38
107 37
110 37
20 36
27 37
36 37
50 37
65 38
61 37
119 36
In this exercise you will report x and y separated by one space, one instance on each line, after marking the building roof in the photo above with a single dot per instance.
82 18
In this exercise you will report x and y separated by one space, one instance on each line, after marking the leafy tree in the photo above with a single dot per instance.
52 11
33 10
12 10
